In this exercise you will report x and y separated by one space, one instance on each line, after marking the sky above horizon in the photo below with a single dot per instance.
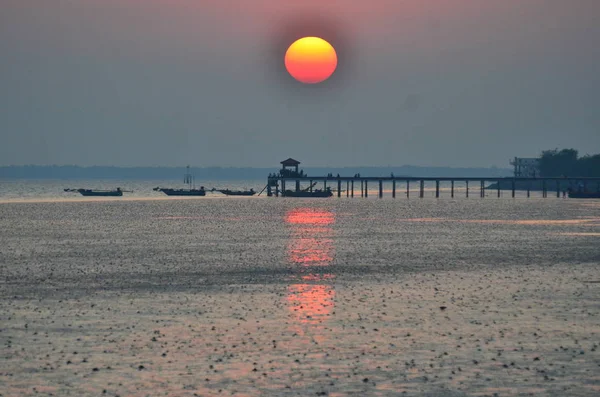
202 82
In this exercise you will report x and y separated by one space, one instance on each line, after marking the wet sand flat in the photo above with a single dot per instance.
183 301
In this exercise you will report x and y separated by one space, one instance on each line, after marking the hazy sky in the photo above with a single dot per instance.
172 82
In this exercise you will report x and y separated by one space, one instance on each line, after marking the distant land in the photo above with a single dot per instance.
229 173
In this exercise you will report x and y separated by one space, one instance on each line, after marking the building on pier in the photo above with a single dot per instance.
526 167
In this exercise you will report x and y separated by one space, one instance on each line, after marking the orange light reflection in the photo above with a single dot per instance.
310 247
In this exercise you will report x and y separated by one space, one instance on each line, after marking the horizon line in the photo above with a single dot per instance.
246 167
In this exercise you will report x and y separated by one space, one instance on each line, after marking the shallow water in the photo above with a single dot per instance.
253 296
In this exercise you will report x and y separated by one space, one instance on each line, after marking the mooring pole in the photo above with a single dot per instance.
311 185
513 188
467 183
437 189
482 189
558 189
380 188
362 188
352 188
407 188
422 189
452 189
347 188
498 182
528 189
339 188
366 189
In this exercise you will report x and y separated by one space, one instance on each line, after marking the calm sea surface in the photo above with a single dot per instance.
272 296
227 239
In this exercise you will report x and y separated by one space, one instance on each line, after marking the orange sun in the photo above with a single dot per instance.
311 60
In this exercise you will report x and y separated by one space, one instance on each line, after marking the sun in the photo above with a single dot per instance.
311 60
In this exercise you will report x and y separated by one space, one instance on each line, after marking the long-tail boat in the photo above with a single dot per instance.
98 193
189 179
228 192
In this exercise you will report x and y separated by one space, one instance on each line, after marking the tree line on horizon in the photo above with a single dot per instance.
567 163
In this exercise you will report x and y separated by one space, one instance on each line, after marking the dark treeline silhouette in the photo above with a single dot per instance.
225 173
567 163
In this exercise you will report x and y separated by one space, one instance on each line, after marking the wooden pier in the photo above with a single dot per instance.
338 185
277 183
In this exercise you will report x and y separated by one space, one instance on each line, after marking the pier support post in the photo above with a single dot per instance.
362 188
437 189
513 188
498 183
544 189
452 189
352 190
394 188
347 188
407 189
422 189
467 184
482 189
283 186
297 185
380 188
366 189
277 189
339 188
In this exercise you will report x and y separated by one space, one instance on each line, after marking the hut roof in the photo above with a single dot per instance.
290 162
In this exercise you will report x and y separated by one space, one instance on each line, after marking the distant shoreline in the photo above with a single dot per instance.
230 173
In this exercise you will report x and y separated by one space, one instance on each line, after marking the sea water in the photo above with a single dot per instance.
284 296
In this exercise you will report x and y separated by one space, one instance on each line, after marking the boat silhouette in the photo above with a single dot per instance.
118 192
228 192
189 179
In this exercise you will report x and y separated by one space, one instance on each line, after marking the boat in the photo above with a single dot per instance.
305 193
228 192
98 193
190 191
584 195
182 192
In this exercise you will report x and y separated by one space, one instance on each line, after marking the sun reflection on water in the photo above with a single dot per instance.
310 250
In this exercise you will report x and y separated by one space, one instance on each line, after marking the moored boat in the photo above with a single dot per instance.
228 192
182 192
98 193
304 193
189 179
584 195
